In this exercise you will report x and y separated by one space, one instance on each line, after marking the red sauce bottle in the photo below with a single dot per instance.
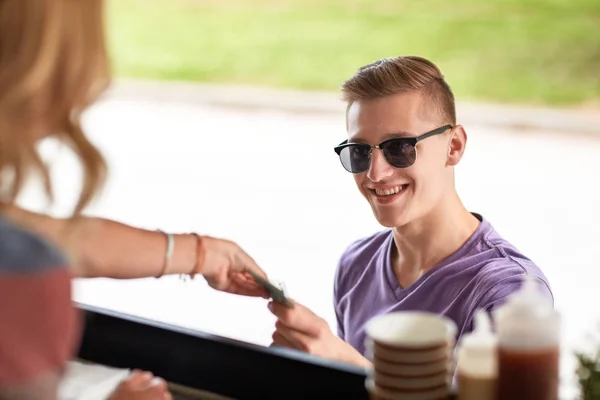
528 330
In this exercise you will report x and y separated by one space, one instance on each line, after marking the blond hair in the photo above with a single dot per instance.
53 65
396 75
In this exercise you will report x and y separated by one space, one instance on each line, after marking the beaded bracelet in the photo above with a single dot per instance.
200 257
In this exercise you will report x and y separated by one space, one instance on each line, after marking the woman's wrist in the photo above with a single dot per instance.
183 260
183 254
200 255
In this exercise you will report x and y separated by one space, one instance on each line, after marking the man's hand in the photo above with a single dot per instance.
299 328
225 267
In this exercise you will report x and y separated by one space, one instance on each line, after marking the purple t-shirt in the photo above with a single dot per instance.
481 274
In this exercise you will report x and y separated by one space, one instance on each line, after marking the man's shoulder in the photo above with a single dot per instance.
508 260
501 276
366 247
493 267
23 252
360 253
501 259
358 257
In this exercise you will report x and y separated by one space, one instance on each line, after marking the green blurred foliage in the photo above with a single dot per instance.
517 51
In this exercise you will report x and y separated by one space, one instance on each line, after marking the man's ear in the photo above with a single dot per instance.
456 145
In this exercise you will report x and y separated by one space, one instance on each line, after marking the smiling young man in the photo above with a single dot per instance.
434 255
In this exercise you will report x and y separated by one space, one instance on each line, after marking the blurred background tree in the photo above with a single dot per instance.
588 374
588 365
515 51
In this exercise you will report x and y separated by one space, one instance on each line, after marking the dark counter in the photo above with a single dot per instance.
212 363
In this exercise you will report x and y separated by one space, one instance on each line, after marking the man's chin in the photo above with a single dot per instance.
392 215
391 220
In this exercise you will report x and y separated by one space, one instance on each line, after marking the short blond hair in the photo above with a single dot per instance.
53 65
402 74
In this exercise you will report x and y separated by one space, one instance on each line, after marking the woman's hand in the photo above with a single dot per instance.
225 267
141 386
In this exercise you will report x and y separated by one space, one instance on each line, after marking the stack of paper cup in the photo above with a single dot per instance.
412 358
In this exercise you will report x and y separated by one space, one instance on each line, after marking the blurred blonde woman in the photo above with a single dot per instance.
53 65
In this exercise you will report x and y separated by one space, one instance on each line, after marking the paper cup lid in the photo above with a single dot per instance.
411 329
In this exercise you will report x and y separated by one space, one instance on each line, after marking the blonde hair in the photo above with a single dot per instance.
395 75
53 65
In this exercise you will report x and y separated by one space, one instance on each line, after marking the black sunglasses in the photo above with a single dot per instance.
398 152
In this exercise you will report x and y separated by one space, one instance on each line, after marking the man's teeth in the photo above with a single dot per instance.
388 192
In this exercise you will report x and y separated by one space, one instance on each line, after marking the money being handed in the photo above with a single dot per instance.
277 290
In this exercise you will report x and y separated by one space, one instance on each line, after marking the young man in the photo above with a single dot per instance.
403 144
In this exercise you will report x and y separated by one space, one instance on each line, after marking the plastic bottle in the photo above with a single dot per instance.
528 345
477 366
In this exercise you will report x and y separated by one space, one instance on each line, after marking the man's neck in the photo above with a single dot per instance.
424 243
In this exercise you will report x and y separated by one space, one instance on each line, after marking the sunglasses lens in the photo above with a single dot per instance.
399 153
355 159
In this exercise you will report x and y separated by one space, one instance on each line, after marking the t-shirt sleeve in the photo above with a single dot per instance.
38 322
501 291
37 325
340 289
498 287
336 303
497 295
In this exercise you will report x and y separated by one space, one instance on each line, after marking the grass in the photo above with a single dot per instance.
515 51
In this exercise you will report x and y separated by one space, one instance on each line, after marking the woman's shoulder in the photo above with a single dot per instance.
24 252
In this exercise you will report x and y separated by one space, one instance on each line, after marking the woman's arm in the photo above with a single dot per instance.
104 248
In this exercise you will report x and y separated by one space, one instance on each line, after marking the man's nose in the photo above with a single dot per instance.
379 168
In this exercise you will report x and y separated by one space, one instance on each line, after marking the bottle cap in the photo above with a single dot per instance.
482 338
528 318
477 352
528 299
